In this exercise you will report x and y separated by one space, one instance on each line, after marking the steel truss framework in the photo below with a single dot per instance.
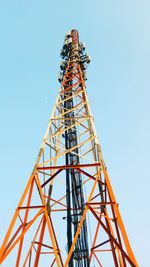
43 202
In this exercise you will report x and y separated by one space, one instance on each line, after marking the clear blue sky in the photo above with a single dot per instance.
117 35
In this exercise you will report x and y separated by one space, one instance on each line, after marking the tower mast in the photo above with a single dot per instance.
68 214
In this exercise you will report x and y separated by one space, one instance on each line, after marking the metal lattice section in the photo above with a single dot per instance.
68 214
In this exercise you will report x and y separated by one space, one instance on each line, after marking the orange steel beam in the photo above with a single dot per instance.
49 224
112 238
119 219
97 260
6 253
30 249
24 224
51 178
14 220
61 261
109 228
90 176
40 243
70 166
95 237
99 245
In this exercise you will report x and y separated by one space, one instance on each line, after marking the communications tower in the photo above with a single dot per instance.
68 214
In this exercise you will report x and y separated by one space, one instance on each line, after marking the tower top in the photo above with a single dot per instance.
75 36
73 50
72 36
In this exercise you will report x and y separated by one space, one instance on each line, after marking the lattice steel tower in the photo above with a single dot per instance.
68 214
